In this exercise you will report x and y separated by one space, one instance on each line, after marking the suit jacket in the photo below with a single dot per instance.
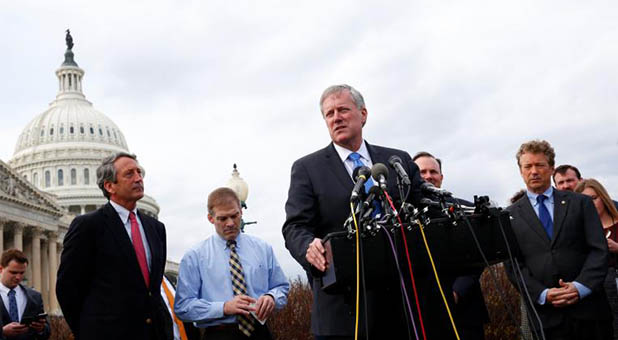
577 251
100 287
34 307
318 204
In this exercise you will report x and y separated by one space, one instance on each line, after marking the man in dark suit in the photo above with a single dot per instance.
319 203
18 302
563 251
469 306
112 263
567 177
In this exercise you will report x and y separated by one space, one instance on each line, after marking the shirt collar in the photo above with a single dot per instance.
122 211
549 193
344 153
5 290
223 242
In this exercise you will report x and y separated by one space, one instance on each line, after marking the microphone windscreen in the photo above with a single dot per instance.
361 170
394 159
378 170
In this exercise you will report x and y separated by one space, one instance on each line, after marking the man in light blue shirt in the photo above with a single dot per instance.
231 282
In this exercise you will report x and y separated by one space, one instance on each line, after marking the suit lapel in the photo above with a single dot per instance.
5 313
532 220
152 240
119 233
336 166
561 205
31 306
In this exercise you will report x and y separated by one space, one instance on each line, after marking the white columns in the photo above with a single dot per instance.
18 236
36 259
45 270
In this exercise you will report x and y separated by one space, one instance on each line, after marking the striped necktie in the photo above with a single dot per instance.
245 323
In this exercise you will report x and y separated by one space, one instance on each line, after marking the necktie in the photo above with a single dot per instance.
544 216
355 157
13 306
245 324
170 300
138 245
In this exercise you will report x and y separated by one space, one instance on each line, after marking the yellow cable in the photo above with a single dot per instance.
435 272
357 272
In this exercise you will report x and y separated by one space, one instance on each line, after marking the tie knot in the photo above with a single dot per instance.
541 198
231 244
12 292
354 156
132 216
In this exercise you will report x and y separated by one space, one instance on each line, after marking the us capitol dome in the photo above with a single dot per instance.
61 148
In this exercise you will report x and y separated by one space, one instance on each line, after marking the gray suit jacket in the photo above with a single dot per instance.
577 251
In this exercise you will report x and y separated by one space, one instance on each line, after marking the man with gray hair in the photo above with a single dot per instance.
112 263
319 203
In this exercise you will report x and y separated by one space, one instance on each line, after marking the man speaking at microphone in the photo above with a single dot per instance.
319 203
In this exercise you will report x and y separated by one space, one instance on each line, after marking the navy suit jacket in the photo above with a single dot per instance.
100 287
577 251
34 307
318 204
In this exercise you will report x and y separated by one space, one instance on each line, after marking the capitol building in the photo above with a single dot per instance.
51 177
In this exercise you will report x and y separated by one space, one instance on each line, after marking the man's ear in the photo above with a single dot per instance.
211 219
109 187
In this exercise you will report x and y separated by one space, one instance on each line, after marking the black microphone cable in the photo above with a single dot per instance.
491 271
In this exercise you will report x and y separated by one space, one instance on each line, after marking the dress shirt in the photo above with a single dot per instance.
205 282
20 298
349 164
124 217
549 204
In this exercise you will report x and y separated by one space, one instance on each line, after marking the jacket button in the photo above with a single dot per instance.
149 294
148 321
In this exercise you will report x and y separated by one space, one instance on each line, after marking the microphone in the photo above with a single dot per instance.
431 189
360 174
374 192
395 162
379 172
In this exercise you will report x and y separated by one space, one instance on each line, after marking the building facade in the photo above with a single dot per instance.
51 178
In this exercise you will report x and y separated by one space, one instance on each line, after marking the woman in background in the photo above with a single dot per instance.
609 219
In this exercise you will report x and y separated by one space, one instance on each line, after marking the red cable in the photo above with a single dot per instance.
418 307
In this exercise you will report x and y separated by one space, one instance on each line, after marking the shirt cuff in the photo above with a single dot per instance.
582 290
543 297
218 305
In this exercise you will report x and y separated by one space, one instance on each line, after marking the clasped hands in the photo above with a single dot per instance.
563 296
243 304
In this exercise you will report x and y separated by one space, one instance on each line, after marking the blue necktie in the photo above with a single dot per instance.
13 306
355 157
544 216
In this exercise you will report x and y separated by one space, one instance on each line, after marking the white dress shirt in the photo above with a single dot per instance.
349 164
124 217
20 297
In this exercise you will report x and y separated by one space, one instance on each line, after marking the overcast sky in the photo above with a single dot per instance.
196 86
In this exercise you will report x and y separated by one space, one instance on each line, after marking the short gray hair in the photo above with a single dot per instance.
106 172
357 97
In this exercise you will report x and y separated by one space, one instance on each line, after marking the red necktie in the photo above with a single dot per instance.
138 245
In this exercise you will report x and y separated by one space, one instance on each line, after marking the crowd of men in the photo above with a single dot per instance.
111 283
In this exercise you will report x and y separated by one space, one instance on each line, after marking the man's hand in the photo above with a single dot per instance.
239 305
563 296
315 254
264 306
613 246
13 329
38 326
